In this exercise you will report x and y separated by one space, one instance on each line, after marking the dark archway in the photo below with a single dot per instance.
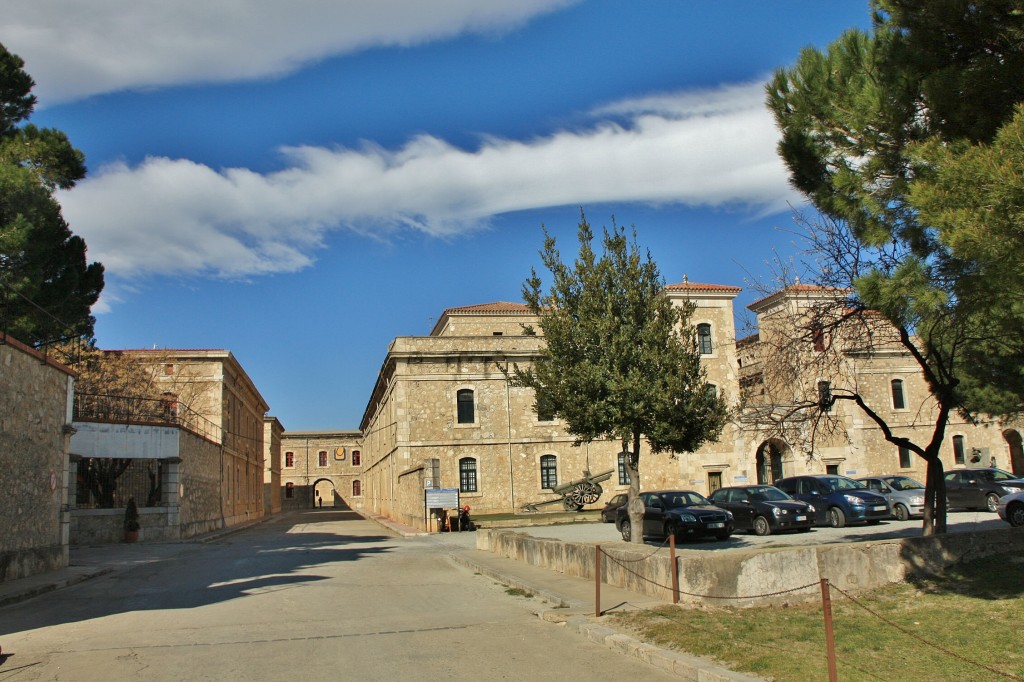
324 493
768 461
1013 441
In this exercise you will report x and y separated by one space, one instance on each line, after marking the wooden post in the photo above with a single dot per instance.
674 568
597 580
830 640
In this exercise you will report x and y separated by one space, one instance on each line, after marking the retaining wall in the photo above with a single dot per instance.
755 578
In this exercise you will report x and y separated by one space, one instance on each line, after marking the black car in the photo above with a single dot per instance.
682 513
608 512
980 488
764 509
837 500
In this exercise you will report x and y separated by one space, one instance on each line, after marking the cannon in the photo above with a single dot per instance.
574 494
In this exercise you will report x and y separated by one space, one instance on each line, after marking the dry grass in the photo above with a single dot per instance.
975 611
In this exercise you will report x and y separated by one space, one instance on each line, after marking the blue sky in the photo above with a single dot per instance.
301 182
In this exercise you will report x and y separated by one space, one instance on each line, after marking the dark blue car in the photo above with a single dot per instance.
837 500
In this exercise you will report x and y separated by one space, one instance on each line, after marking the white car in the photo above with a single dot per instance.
1011 508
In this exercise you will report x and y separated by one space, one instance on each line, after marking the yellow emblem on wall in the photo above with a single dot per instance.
339 454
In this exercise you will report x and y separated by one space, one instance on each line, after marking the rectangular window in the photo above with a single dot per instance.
704 339
356 457
818 338
898 403
466 412
905 457
322 458
832 469
289 460
289 490
548 472
467 475
824 396
545 413
357 488
623 474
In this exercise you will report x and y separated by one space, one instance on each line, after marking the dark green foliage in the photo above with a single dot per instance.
46 286
131 516
620 361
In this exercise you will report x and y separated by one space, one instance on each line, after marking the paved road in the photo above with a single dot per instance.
311 596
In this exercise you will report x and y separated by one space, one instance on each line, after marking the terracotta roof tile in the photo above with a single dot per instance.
697 286
495 307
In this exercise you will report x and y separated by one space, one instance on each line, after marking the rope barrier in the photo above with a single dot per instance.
922 640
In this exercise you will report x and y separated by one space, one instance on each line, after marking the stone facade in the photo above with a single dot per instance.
321 469
35 421
272 431
443 415
218 399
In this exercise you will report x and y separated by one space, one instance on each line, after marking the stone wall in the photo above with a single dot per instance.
336 483
199 486
34 411
755 578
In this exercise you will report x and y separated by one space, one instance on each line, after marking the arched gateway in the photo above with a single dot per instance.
769 460
1013 441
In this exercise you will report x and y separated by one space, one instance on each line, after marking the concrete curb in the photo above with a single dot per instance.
505 579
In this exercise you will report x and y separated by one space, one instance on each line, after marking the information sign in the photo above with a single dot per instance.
442 498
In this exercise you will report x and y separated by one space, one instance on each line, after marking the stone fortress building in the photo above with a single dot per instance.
443 415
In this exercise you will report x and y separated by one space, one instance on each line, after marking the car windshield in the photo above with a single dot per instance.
683 499
768 494
834 483
904 483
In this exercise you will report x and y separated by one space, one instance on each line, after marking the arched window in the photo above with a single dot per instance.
958 450
464 399
548 471
289 490
704 338
898 403
467 475
357 488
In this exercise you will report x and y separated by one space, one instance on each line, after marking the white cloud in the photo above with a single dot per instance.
74 49
174 216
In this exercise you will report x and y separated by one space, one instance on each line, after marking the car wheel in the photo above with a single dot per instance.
836 517
901 512
626 528
761 526
1015 514
991 502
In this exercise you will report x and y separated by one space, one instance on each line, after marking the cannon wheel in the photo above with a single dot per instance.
586 492
569 503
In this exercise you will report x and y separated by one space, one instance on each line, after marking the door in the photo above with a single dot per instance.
654 515
714 481
955 492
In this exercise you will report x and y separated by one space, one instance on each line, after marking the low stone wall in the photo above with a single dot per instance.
106 526
755 578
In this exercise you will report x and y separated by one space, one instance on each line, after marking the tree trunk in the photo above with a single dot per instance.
935 496
635 506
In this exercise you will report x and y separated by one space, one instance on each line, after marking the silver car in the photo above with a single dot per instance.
1011 508
904 494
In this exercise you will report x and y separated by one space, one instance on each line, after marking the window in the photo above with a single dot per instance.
898 403
545 413
623 474
904 457
357 488
824 396
289 460
289 490
958 450
704 338
832 469
322 458
467 475
464 399
818 338
356 457
548 472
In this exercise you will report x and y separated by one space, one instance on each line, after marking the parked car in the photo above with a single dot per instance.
764 509
904 495
837 500
1011 509
612 506
980 488
682 513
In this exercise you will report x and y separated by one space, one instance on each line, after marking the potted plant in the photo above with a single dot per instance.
131 521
